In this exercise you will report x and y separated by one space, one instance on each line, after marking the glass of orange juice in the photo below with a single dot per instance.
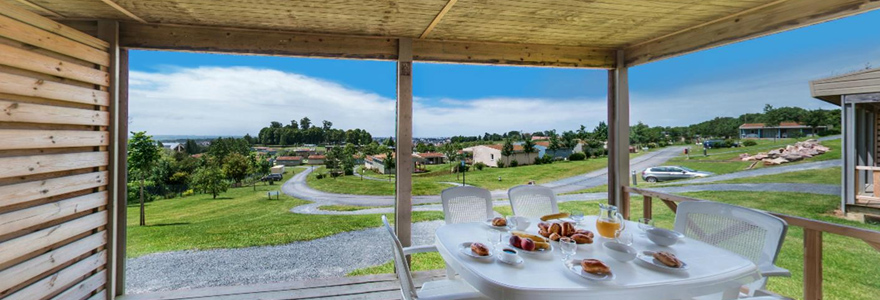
609 221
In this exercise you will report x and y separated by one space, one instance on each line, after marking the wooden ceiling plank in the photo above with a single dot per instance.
437 19
40 8
123 10
766 20
23 15
263 42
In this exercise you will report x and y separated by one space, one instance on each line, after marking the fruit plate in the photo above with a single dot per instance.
574 265
647 257
535 252
465 248
489 223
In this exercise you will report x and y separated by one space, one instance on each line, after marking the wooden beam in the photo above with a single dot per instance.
109 32
404 167
437 19
812 264
648 207
618 132
776 17
264 42
123 10
40 8
121 189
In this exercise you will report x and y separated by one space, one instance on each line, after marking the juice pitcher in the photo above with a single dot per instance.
609 221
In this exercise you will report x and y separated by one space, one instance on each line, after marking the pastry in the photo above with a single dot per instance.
582 238
555 228
584 232
544 226
544 233
555 216
668 259
479 249
595 266
555 237
498 221
567 229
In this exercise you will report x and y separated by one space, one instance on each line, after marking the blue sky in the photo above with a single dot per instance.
233 94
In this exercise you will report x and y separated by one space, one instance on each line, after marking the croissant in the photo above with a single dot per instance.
498 221
582 238
595 266
480 249
668 259
544 226
555 228
555 237
567 229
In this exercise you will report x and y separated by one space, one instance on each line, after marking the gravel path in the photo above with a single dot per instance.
320 258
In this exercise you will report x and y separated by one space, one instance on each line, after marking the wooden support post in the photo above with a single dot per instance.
116 187
121 190
618 131
812 264
404 167
671 205
624 202
648 206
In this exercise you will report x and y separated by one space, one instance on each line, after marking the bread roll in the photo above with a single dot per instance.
555 237
582 238
668 259
479 249
585 232
498 221
567 229
544 226
544 233
595 266
555 228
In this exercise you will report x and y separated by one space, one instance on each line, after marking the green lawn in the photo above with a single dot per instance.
730 162
356 185
850 266
238 218
818 176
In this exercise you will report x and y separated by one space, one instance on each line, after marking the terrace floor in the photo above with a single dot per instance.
384 286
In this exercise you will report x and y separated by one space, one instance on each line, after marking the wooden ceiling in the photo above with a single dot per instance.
639 26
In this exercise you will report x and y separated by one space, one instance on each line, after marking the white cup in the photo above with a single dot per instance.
522 223
508 255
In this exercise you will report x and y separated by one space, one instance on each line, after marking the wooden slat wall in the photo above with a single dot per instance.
54 119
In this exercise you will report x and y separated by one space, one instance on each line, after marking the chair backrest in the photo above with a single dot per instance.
462 204
407 288
532 201
751 233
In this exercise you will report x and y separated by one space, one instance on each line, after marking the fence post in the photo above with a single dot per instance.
812 264
624 202
647 207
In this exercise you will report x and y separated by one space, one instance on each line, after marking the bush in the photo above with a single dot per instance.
829 132
663 144
500 164
349 172
187 193
514 163
797 135
319 176
479 166
577 156
749 143
652 145
134 191
547 159
538 161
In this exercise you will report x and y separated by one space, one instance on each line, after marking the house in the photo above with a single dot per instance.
491 154
431 158
783 130
304 152
279 169
377 163
316 159
289 160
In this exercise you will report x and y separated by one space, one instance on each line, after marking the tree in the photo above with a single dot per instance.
327 125
249 139
529 147
421 147
305 123
236 167
389 142
814 119
142 156
389 162
507 150
210 179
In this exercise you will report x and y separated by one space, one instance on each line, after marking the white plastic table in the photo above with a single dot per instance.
713 273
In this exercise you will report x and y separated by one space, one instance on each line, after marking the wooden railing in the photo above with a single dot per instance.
813 230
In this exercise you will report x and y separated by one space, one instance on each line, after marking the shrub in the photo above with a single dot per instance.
187 193
349 172
547 159
538 161
797 135
663 144
828 132
514 163
749 143
319 176
500 164
652 145
134 191
479 166
577 156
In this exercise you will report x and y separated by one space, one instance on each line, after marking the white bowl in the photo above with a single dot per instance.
620 252
662 237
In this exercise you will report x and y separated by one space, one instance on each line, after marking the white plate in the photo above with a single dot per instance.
648 258
536 252
465 248
574 266
489 223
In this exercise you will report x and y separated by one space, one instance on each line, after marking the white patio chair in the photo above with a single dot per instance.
532 201
753 234
462 204
448 289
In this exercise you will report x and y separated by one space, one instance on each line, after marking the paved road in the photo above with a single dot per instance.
600 177
332 256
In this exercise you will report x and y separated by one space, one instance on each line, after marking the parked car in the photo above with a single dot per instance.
664 173
271 177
